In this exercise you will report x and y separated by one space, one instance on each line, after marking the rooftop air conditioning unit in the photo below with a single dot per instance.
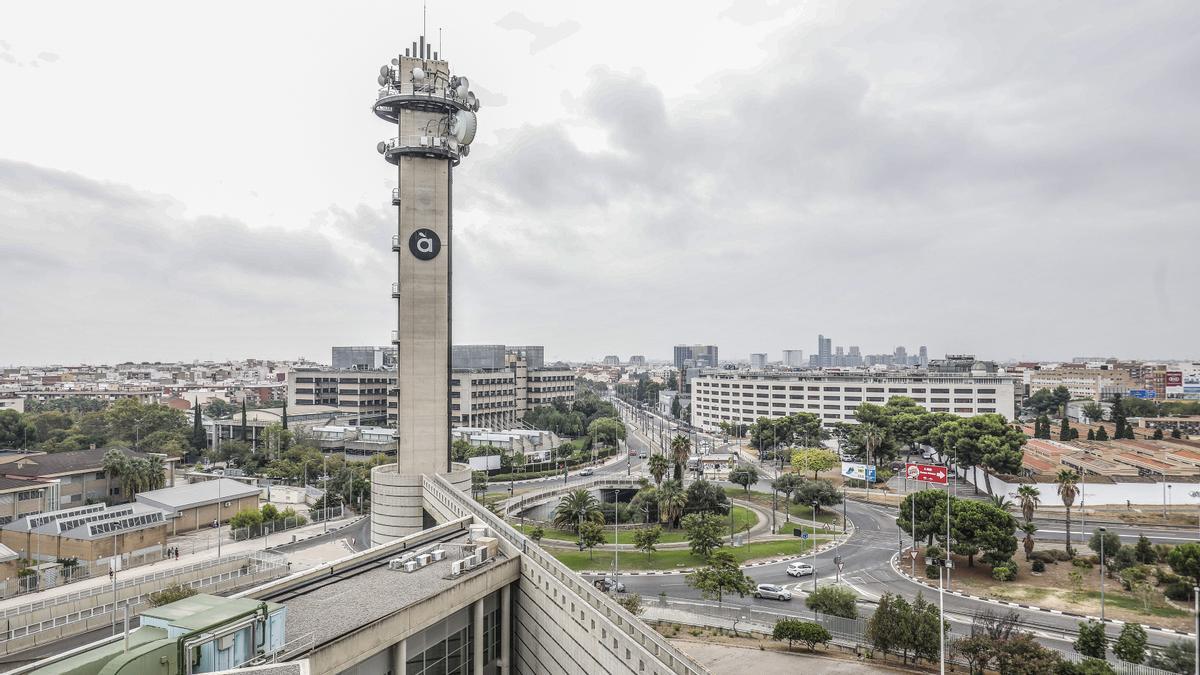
438 554
410 566
423 559
468 562
395 564
424 141
477 531
456 568
481 552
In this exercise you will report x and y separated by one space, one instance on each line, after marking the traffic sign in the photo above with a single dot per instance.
913 554
930 473
804 535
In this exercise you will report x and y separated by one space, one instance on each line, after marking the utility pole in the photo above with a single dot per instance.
1102 561
814 544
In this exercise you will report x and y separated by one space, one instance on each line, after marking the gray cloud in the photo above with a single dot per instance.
544 35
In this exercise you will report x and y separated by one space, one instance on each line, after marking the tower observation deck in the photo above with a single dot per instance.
434 116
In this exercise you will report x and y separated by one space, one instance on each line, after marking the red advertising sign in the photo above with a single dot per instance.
1173 378
927 472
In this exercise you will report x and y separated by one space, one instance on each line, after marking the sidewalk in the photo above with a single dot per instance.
228 549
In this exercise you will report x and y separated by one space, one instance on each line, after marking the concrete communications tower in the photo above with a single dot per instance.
434 114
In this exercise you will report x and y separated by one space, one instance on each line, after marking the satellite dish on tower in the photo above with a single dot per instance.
395 62
381 80
464 150
384 70
461 91
381 147
464 126
471 100
418 74
464 82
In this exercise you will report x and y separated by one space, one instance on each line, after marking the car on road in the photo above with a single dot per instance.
608 583
772 592
587 472
799 569
642 455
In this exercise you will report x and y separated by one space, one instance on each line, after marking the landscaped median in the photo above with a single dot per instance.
679 560
743 519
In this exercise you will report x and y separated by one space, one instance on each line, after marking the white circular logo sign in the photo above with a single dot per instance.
424 244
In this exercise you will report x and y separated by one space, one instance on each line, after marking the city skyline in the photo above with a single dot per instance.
903 180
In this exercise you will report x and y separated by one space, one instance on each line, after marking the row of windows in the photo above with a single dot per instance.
709 387
746 416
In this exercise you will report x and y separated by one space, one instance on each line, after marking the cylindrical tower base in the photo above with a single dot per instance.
397 501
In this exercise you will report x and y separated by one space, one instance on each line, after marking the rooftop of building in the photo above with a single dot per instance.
92 521
202 610
330 611
190 495
894 376
18 484
74 461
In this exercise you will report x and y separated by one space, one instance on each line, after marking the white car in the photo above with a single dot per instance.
772 592
799 569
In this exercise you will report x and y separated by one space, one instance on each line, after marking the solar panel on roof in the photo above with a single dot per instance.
66 525
127 523
51 516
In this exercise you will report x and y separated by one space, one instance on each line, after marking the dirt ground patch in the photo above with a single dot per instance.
1056 589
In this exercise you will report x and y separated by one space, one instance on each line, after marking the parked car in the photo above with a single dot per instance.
587 472
608 583
799 569
772 592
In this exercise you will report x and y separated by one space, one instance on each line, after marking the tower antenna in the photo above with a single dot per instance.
424 8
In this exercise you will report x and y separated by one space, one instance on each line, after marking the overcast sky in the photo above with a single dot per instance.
1011 179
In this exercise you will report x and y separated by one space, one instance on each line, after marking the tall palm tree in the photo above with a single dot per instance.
681 448
156 473
1029 497
1068 489
671 501
659 466
577 506
115 464
1028 528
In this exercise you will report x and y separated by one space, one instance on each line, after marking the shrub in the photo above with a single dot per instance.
931 571
795 630
171 594
1043 557
1161 551
835 600
1038 566
1082 563
1059 554
1005 572
246 518
1095 558
1179 590
269 513
1133 575
632 603
1166 576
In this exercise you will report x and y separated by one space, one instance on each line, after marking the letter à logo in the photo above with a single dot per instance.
424 244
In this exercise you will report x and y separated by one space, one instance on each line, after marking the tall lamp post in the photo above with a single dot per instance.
1103 562
814 544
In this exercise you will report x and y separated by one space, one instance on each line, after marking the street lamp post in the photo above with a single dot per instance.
814 544
1103 562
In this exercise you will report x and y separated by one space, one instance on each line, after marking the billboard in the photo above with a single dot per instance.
858 471
484 462
930 473
1173 378
1141 393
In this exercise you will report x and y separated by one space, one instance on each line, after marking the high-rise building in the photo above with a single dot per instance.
900 356
612 360
637 360
435 122
824 351
793 358
923 357
699 356
758 361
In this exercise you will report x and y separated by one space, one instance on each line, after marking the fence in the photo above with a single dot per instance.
71 572
852 632
266 529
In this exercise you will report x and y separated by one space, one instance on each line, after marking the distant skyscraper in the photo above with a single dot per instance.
854 358
923 357
900 357
824 351
758 361
637 360
793 358
839 357
612 360
699 355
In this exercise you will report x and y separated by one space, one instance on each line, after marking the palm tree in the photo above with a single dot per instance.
1029 498
681 448
1068 488
115 464
1028 528
671 501
658 468
156 476
577 506
136 477
1000 501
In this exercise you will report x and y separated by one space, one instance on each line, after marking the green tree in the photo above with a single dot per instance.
744 475
537 533
1101 433
672 501
658 466
1093 411
1184 559
1091 434
1176 433
1112 544
1120 419
116 465
1041 427
199 438
704 532
1158 434
1092 642
576 507
170 594
925 630
1064 430
886 627
1177 657
986 440
930 514
795 630
591 535
1029 529
787 484
479 483
1068 489
1022 655
607 430
1144 551
815 460
834 600
676 409
822 492
720 577
632 602
1131 643
646 538
218 409
246 518
706 497
982 527
681 448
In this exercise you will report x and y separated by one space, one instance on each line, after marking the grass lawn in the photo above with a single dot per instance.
665 560
828 515
788 528
742 517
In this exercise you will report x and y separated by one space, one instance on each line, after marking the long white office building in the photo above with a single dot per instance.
745 397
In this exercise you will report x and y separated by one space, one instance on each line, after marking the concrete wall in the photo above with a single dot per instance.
49 547
396 501
1100 494
202 516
